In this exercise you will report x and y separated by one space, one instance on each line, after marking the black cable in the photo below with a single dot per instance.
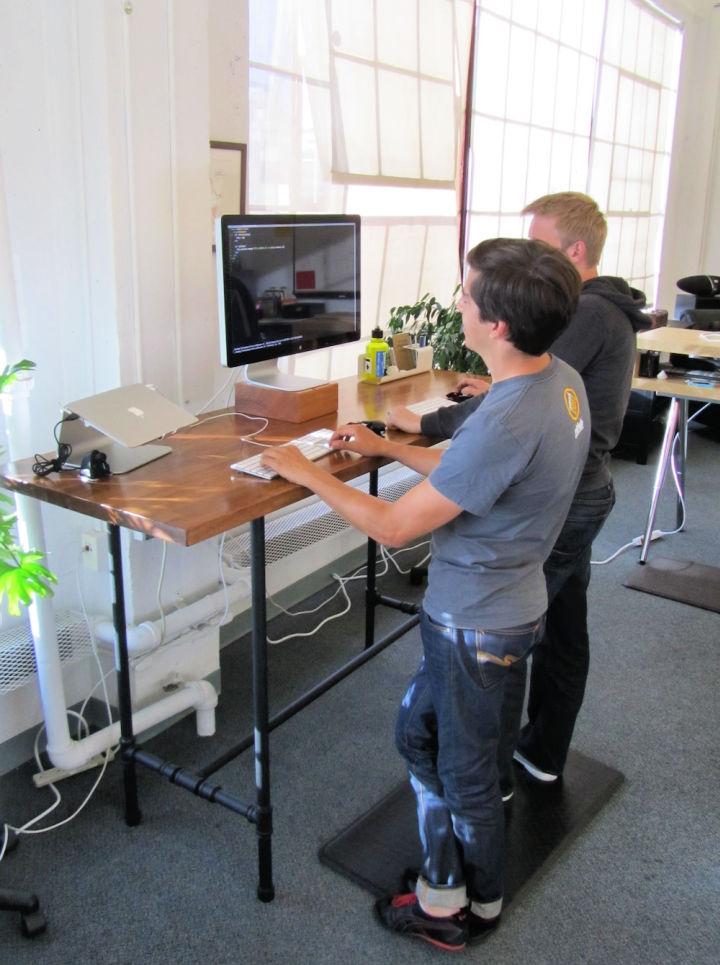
42 466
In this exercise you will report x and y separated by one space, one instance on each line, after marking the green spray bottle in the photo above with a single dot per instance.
376 357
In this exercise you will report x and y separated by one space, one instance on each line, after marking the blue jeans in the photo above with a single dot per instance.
561 661
448 730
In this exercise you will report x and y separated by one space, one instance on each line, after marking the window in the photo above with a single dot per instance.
358 106
575 95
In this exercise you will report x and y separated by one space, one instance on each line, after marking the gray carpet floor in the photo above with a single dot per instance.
640 885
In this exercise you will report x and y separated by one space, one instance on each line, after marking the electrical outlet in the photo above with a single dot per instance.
94 549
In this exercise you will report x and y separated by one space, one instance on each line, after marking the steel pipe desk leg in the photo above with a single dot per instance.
370 587
265 889
684 406
660 473
127 737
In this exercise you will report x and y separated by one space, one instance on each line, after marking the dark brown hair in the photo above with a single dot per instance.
529 285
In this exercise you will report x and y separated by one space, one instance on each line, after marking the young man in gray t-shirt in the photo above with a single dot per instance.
494 502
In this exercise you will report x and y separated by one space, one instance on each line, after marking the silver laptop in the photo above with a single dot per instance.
119 423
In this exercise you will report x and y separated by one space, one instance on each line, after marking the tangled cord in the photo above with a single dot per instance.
42 466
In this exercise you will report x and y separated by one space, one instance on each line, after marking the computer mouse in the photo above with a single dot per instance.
457 397
377 427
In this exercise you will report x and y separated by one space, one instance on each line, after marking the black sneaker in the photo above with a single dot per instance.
477 928
544 777
403 914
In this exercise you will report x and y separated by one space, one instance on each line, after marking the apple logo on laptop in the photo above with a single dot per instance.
133 410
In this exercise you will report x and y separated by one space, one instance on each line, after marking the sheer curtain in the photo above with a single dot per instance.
576 95
358 106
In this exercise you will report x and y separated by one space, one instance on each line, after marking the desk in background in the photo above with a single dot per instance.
192 495
687 582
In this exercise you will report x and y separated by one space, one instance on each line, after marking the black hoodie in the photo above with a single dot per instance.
599 343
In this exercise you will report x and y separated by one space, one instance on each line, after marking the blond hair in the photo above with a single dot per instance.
577 218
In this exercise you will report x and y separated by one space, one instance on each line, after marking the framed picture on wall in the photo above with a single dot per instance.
228 178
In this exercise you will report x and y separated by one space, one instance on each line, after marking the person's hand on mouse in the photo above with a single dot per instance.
355 437
472 385
400 417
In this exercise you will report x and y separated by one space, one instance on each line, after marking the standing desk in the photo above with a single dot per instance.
680 341
192 495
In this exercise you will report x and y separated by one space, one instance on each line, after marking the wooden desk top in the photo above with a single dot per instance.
191 494
681 341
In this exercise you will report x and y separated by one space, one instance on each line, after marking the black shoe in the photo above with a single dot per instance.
477 927
533 771
403 914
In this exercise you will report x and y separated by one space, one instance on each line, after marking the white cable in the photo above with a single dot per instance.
386 558
158 594
342 580
221 573
212 398
225 415
333 616
27 828
390 557
657 533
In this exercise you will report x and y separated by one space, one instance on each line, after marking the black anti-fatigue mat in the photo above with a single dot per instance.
375 849
691 583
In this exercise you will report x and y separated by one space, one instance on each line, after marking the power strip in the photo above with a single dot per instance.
53 774
656 534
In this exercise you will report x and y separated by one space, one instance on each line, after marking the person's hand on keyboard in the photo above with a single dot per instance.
288 462
402 418
472 385
356 437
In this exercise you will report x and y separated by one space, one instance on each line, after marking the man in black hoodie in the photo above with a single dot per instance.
600 344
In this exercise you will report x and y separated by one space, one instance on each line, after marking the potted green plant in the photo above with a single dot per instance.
22 575
442 326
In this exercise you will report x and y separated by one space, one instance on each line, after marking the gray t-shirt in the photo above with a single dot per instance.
513 466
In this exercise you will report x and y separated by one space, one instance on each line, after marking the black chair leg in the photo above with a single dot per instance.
32 920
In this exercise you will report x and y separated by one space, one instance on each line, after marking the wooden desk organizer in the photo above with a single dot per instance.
424 360
300 406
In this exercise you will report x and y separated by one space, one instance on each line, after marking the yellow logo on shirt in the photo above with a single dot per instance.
572 403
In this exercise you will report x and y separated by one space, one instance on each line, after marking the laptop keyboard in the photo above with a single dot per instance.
313 445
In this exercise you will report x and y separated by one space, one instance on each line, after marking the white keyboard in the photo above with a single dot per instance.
312 446
429 405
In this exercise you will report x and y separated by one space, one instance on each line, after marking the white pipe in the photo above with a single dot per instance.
64 751
198 694
149 635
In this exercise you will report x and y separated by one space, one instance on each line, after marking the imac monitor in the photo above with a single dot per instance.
286 284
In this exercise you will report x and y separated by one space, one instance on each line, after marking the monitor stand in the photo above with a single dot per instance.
263 390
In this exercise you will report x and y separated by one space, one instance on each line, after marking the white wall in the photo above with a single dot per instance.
692 227
106 264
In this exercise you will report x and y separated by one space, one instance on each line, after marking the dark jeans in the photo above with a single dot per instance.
561 661
448 730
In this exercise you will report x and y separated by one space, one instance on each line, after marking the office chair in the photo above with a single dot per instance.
32 920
